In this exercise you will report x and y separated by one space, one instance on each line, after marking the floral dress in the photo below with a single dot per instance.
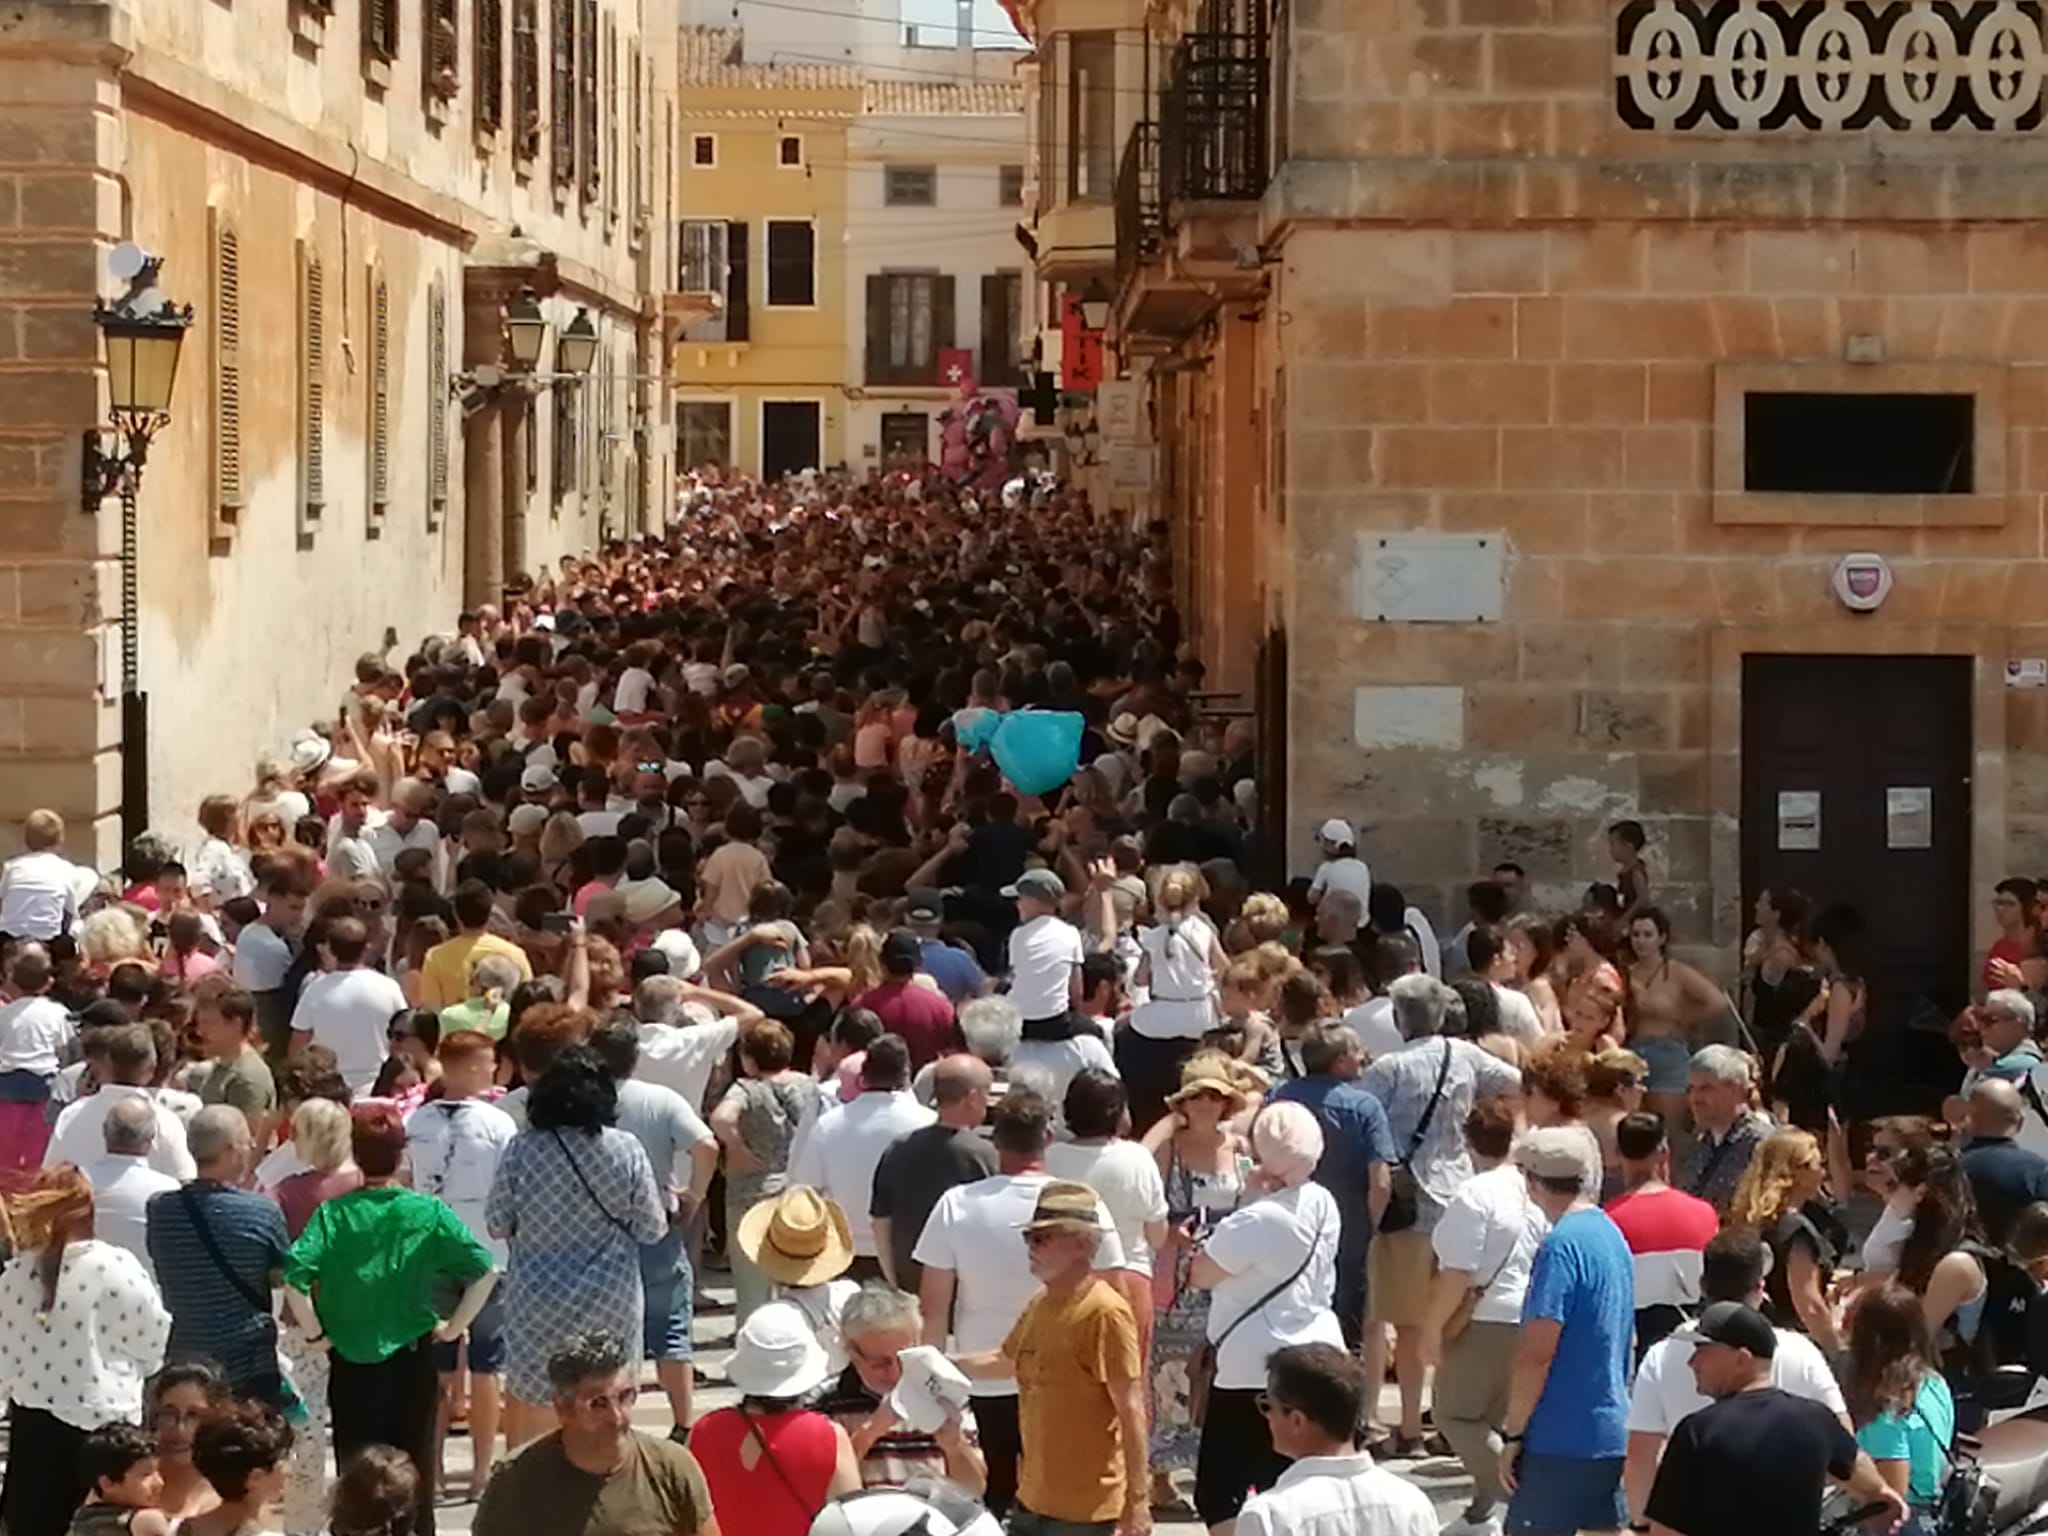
1181 1327
574 1209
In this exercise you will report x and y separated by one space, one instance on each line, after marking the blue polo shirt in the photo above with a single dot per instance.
1583 1279
953 969
1355 1136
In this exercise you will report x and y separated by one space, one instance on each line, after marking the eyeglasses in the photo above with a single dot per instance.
621 1401
1269 1405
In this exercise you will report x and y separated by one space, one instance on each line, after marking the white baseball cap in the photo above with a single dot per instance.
1338 833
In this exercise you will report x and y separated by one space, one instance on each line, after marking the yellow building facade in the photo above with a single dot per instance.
761 195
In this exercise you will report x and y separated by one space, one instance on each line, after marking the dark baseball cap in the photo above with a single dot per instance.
1739 1327
901 951
925 907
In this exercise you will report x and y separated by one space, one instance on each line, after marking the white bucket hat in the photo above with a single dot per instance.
775 1353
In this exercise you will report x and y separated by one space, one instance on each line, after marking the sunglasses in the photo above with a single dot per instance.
622 1400
1268 1404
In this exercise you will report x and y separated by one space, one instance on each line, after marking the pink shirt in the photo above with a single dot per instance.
187 968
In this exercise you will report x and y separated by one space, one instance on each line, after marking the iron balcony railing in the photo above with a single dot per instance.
1140 217
1214 131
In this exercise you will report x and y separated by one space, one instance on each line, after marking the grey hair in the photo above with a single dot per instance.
216 1129
493 973
1033 1078
586 1357
130 1127
658 1000
992 1026
1722 1063
1420 1005
2014 1004
876 1307
1344 902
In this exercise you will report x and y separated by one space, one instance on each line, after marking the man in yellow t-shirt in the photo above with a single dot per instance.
444 973
1080 1387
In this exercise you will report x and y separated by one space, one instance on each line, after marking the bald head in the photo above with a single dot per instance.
1995 1108
130 1127
960 1086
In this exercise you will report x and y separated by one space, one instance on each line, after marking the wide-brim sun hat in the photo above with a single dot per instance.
1195 1087
776 1353
798 1238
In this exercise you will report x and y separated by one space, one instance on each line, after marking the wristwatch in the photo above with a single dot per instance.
1515 1439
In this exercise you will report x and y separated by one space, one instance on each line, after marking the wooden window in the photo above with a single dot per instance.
586 96
1010 186
792 264
312 387
380 399
909 320
636 159
526 124
910 186
490 65
440 49
437 404
1002 302
789 151
612 97
562 101
1091 116
228 493
739 312
563 461
380 30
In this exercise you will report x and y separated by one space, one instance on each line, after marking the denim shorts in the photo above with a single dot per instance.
667 1293
487 1344
1562 1495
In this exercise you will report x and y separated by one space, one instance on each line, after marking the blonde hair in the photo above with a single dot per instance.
111 935
1265 917
1270 962
863 960
321 1134
559 838
56 1210
1760 1197
43 830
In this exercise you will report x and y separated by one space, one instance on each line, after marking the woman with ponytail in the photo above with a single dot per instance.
81 1330
1182 962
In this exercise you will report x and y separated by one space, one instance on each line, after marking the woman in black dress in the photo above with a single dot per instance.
1802 1082
1774 948
1779 1198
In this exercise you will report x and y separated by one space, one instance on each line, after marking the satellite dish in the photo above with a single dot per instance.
127 261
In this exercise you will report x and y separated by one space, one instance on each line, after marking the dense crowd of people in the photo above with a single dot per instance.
858 888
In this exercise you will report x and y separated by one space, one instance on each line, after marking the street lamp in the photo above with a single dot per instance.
576 347
144 334
526 330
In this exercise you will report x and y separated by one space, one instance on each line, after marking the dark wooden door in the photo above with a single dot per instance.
790 437
1856 791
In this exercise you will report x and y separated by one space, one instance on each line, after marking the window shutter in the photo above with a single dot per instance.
312 385
636 158
526 79
437 404
738 313
942 318
441 48
993 364
878 369
380 29
612 97
490 65
586 97
563 105
380 398
228 494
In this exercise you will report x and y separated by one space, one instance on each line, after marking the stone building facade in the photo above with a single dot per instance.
347 192
1524 396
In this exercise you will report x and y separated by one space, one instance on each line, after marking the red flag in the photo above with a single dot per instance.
956 367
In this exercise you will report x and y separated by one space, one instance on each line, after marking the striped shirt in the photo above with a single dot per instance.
211 1315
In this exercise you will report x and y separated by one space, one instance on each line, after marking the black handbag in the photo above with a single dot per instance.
1402 1203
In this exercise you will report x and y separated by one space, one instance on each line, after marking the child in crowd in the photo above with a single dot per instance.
119 1460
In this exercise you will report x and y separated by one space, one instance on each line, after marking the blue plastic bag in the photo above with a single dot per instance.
1038 750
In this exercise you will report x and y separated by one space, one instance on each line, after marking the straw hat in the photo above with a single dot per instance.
798 1238
1064 1207
1206 1078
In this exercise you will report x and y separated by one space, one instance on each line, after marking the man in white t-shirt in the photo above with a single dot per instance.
682 1043
977 1271
1045 951
350 1008
837 1153
80 1134
405 826
1733 1270
1342 869
350 852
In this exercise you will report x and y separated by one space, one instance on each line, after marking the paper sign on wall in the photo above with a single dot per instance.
1798 820
2027 672
1909 817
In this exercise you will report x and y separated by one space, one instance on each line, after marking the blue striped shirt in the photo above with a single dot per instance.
211 1316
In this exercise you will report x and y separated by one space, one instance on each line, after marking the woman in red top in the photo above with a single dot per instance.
778 1461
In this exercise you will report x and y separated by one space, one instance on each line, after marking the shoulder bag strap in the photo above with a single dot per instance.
768 1455
1429 1110
1260 1304
207 1241
2033 1095
577 1169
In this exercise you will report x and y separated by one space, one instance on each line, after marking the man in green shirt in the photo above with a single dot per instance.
597 1475
225 1021
361 1280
